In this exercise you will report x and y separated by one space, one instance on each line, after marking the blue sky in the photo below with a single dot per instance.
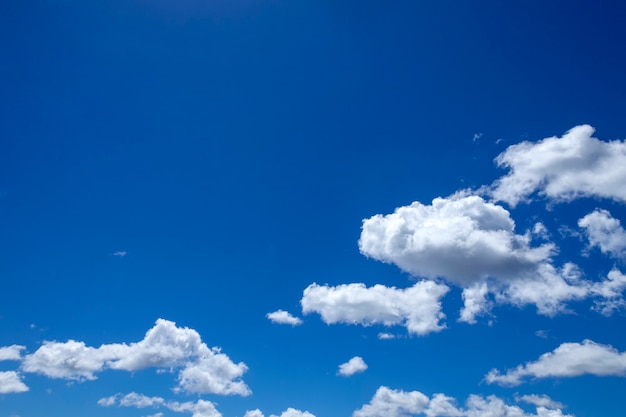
313 208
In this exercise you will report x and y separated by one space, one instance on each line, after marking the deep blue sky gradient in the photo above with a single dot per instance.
233 149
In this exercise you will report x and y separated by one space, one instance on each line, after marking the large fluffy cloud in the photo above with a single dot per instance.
396 403
567 360
200 408
462 238
11 383
203 369
574 165
418 307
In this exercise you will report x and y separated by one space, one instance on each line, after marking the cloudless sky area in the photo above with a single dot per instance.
187 168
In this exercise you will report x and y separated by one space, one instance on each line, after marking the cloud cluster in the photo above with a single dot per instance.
200 408
562 169
283 317
165 346
418 307
396 403
472 243
567 360
353 366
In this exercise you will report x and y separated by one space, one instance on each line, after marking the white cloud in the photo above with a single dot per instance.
472 243
11 383
200 408
204 369
475 302
605 232
120 253
353 366
290 412
386 336
461 238
395 403
610 292
283 317
562 169
11 353
418 307
540 401
567 360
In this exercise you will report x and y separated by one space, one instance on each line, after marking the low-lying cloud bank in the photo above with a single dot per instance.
397 403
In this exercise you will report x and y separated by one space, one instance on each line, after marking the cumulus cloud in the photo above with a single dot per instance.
418 307
290 412
11 353
464 239
353 366
574 165
200 408
605 232
203 369
11 383
472 243
386 336
567 360
393 403
396 403
283 317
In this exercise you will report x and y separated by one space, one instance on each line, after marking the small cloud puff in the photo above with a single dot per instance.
353 366
283 317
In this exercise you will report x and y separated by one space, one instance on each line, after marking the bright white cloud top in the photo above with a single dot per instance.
417 307
462 238
201 369
353 366
397 403
574 165
566 361
283 317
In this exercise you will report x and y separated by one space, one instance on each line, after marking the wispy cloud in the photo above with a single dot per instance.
567 360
